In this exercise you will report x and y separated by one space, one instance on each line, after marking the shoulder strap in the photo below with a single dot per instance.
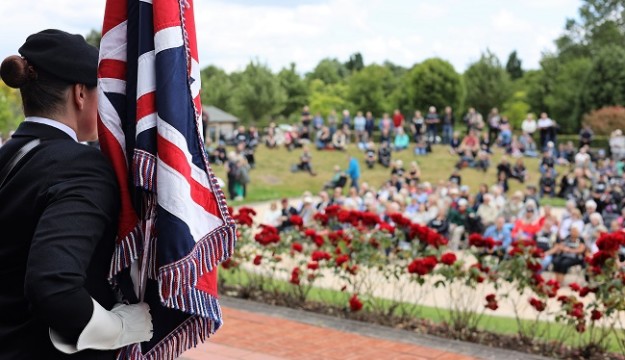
19 155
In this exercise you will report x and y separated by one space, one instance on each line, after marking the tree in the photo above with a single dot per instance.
296 90
330 71
433 82
487 84
370 88
355 63
258 93
564 83
327 97
217 88
605 83
513 66
94 38
10 108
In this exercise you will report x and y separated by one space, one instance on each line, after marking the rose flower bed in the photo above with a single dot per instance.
360 252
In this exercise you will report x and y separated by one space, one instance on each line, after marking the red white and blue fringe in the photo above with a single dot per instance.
192 332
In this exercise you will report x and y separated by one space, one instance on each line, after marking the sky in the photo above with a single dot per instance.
231 33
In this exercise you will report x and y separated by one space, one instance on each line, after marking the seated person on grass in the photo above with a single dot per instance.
339 140
548 184
339 179
401 140
384 154
454 145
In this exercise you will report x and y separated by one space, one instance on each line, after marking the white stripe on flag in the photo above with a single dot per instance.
172 135
146 74
110 119
114 43
168 38
110 85
174 195
146 123
195 74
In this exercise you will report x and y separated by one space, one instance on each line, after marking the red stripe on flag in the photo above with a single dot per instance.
112 69
146 105
127 217
171 155
116 13
166 14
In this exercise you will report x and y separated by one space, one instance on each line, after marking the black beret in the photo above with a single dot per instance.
66 56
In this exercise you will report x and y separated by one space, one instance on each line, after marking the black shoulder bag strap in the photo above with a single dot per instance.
19 155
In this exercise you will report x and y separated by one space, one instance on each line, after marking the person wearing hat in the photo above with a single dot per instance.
59 213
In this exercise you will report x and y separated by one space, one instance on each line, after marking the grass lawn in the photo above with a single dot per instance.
272 178
491 323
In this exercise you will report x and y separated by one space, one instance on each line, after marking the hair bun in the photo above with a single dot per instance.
15 71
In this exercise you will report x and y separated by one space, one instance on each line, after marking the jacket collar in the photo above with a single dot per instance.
40 131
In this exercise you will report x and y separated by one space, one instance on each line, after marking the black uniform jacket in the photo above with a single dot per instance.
58 218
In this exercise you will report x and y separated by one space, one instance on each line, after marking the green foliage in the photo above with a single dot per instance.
535 84
296 90
563 99
369 89
355 63
327 97
258 93
330 71
217 88
10 109
487 83
513 66
516 109
605 84
434 82
94 38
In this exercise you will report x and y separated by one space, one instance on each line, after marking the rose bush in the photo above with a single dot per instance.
361 249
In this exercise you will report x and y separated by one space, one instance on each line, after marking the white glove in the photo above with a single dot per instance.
109 330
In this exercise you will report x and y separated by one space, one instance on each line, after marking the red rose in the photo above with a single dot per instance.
297 247
320 255
387 227
422 266
609 243
340 260
370 219
492 305
355 304
490 297
322 218
295 276
575 287
313 265
258 259
537 304
533 265
296 220
244 219
318 240
580 327
600 257
310 232
353 269
227 264
448 258
267 235
577 312
584 291
595 315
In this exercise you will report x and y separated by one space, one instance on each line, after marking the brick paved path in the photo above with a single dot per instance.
251 336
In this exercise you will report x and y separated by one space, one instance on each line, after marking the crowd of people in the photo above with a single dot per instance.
589 180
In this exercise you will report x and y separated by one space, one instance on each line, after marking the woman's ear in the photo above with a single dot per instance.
79 95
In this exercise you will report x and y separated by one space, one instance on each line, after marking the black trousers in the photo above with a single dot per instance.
562 264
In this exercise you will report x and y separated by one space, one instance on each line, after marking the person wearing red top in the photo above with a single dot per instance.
398 119
528 224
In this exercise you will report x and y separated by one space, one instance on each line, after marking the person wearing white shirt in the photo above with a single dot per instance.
544 126
529 124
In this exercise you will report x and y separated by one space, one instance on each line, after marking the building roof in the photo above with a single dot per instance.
218 115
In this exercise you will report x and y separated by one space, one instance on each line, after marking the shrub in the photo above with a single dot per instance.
606 119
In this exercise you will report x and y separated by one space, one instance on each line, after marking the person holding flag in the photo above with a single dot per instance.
59 213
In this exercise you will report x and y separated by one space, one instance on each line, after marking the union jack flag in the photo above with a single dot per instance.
174 225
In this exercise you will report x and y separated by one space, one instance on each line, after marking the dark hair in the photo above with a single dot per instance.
42 94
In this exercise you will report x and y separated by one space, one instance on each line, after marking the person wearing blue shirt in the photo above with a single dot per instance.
401 140
354 172
499 232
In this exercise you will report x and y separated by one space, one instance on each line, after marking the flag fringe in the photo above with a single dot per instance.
144 169
179 292
193 331
127 250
